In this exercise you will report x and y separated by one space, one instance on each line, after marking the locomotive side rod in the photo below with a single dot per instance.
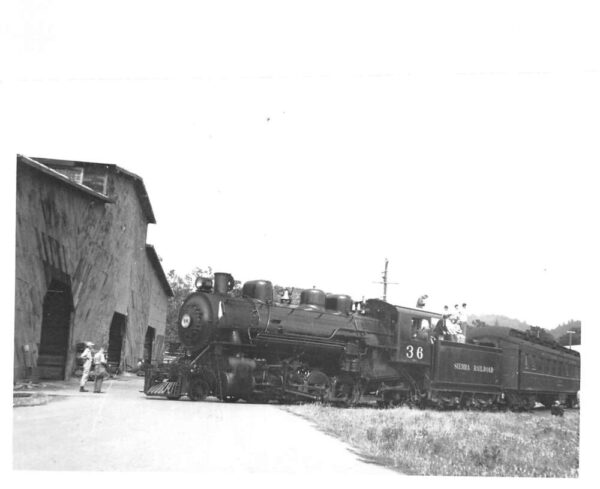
301 394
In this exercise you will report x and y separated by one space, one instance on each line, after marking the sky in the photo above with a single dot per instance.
306 142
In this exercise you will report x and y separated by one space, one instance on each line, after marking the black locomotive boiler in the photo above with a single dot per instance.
325 349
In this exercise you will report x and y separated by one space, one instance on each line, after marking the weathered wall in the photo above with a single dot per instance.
157 315
99 247
48 235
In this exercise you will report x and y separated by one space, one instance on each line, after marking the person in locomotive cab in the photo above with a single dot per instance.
453 326
462 320
455 314
462 315
425 331
421 301
441 328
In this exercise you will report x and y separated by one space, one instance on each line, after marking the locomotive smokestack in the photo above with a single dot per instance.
223 283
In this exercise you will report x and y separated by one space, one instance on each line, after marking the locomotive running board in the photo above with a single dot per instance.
296 340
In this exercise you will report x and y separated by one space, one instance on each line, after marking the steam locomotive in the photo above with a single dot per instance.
330 349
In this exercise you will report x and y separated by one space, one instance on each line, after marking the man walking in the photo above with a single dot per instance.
99 370
87 356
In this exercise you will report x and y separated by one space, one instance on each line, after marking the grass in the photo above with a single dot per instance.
457 443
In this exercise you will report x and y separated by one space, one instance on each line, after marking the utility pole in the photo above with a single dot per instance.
385 282
570 333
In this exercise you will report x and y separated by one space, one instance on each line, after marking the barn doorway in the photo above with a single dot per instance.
116 336
56 326
148 342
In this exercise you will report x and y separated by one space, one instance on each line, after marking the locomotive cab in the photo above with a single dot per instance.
410 330
414 334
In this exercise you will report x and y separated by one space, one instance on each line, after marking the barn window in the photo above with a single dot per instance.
75 174
95 181
90 177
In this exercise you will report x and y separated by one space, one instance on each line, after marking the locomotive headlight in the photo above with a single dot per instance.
185 320
204 284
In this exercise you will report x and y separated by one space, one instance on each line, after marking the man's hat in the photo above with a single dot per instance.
89 343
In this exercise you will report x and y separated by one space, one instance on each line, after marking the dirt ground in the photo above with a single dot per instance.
123 430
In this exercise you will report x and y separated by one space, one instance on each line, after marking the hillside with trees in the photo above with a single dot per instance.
559 333
498 320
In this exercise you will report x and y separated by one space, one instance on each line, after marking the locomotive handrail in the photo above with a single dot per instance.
268 317
335 332
360 331
200 354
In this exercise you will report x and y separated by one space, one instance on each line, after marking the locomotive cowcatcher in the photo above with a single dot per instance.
330 349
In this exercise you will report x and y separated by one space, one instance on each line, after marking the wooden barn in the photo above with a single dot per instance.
83 269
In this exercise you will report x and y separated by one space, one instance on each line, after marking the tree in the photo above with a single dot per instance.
478 323
541 333
182 287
